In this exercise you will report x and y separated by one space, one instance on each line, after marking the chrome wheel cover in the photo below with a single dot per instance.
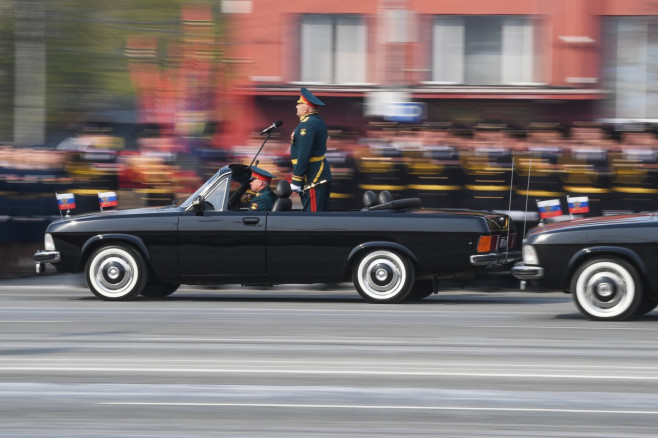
382 275
113 272
605 289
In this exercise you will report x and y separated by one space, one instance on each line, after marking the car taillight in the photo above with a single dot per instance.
495 243
487 243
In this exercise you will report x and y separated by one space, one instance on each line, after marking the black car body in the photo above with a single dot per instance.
606 263
392 251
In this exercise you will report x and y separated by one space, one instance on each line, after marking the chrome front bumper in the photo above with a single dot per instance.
495 258
527 272
42 257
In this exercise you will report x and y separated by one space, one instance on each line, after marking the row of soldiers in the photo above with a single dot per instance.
485 166
491 166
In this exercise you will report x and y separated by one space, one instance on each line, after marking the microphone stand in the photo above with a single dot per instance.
261 148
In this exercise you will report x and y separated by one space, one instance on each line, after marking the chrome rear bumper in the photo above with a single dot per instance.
495 258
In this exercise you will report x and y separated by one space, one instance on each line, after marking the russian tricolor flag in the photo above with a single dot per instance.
550 208
579 204
66 201
108 199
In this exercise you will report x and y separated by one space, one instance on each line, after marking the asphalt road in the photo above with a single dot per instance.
314 362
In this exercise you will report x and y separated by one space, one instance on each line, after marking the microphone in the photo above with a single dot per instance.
272 126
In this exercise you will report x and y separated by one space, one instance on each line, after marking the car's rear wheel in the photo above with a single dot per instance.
159 290
383 276
116 273
422 289
607 289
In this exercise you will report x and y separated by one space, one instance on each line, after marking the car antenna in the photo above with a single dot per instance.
527 193
509 208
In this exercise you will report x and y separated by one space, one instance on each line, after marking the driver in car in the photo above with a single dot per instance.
260 185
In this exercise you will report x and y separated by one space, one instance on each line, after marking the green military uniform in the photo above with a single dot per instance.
308 146
264 200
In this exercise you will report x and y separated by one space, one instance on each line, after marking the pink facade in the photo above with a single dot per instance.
551 57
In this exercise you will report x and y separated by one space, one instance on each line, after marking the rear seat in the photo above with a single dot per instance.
385 201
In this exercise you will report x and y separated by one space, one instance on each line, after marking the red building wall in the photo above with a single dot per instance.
265 47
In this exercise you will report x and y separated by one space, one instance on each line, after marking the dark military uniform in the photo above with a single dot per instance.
307 152
264 200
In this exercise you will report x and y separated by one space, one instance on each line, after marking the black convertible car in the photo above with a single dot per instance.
391 249
604 262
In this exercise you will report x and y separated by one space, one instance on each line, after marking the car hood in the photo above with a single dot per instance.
117 213
599 221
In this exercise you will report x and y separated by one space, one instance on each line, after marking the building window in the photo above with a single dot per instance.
631 66
476 50
333 49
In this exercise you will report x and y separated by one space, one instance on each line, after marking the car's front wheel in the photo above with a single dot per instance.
607 289
647 305
116 273
383 276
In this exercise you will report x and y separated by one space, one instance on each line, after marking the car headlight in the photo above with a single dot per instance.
49 244
530 255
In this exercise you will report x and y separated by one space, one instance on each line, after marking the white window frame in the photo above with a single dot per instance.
518 63
333 49
633 63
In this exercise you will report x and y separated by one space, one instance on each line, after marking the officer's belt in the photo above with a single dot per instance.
311 160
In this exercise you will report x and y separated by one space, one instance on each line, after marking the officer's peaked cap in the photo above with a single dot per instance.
308 98
262 174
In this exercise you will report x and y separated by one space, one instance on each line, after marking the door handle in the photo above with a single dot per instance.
250 220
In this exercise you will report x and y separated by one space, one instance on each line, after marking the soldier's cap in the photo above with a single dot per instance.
261 174
309 99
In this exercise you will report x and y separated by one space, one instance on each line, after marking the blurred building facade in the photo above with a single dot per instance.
511 61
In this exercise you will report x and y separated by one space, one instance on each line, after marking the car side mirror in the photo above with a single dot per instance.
198 205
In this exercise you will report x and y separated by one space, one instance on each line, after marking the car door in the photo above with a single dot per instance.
219 244
304 246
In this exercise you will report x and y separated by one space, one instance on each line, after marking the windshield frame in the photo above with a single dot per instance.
239 172
205 187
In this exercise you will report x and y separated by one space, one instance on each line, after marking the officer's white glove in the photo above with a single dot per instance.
295 188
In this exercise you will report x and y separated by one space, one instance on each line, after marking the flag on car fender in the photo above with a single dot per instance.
549 208
578 204
108 199
66 201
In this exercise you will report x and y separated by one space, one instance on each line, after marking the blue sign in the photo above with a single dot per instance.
410 112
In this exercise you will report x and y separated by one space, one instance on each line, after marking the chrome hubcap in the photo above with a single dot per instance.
382 274
113 272
605 289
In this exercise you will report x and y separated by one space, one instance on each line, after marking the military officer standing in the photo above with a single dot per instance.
260 185
311 176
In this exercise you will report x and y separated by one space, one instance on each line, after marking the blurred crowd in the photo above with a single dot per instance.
499 167
449 165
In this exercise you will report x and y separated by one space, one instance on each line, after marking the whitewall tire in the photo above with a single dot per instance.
116 273
383 276
607 289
